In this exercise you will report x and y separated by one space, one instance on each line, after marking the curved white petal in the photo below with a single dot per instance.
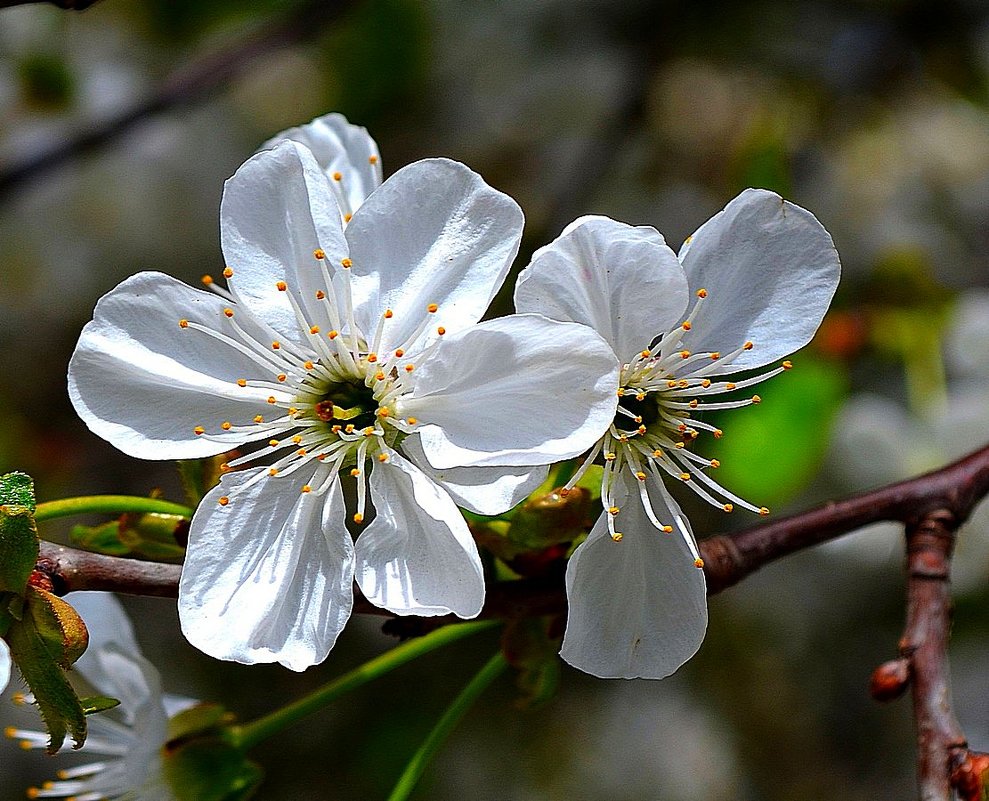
268 577
770 269
637 608
131 679
107 625
5 665
143 383
623 282
276 211
520 390
417 556
434 232
340 147
482 490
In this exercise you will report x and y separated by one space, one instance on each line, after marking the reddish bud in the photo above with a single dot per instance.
890 680
971 778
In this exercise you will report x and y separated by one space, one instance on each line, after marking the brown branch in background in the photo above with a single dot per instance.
192 84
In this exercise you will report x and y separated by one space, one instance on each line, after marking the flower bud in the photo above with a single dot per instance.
890 680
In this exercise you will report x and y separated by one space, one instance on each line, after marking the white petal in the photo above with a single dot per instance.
638 608
520 390
107 625
417 556
482 490
4 665
128 677
144 384
770 270
622 281
269 577
434 232
339 147
276 210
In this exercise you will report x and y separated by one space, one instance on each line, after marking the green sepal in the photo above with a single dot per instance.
18 535
199 476
49 637
531 645
94 704
201 764
150 536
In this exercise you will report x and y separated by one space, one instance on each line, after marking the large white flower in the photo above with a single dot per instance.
346 153
762 273
126 741
352 350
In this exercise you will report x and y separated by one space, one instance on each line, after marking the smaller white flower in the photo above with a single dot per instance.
126 741
4 665
762 273
346 153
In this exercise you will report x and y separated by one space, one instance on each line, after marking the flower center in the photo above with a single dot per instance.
348 402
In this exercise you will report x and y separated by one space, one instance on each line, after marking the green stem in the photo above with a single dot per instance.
250 734
451 717
108 504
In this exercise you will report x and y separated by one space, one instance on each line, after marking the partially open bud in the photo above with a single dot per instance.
890 680
971 778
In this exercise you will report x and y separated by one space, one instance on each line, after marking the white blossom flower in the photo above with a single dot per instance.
346 153
4 665
341 350
126 741
762 273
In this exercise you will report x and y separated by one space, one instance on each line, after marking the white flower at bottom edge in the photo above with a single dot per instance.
352 350
346 153
5 665
763 272
127 740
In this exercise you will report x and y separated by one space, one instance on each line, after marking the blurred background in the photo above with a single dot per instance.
872 114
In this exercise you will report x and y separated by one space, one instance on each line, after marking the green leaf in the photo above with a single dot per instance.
531 645
18 534
93 704
770 452
149 536
41 643
103 538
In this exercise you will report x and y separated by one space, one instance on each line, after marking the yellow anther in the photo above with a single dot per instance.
701 293
281 286
348 217
319 254
640 475
747 346
199 431
756 399
297 439
308 365
617 536
563 492
671 384
258 418
730 385
276 345
372 159
686 326
355 472
667 529
333 334
183 323
641 429
383 412
314 329
715 463
613 510
379 376
369 431
207 279
348 429
787 365
441 330
640 396
306 488
228 312
728 507
678 445
432 308
382 457
623 438
292 411
706 383
320 456
411 421
336 429
645 354
409 368
281 377
715 355
372 357
337 176
346 263
685 354
225 425
685 476
228 272
693 403
682 427
388 314
241 382
358 517
717 433
223 500
610 457
302 452
273 471
657 453
225 468
638 418
273 443
763 511
399 353
320 294
699 563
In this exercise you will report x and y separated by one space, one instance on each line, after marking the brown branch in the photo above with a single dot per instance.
68 5
192 84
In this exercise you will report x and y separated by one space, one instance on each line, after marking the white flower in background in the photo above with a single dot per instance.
346 153
126 741
352 350
762 273
5 665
